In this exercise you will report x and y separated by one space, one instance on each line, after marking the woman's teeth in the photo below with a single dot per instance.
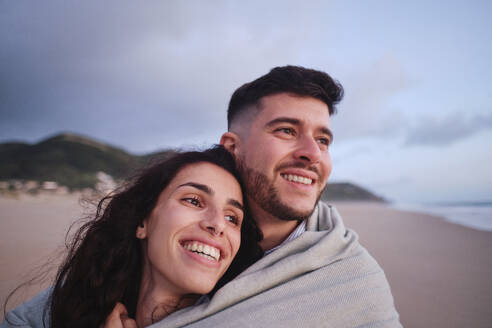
204 250
297 178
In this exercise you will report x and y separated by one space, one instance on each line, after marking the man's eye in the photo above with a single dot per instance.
324 141
193 201
232 218
286 130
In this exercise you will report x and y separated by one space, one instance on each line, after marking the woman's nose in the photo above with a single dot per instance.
213 222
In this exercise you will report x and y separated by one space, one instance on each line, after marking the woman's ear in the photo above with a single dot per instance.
231 142
142 230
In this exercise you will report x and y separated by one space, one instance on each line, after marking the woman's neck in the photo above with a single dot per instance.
156 303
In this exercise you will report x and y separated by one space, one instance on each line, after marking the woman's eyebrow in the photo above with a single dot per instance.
235 203
209 191
198 186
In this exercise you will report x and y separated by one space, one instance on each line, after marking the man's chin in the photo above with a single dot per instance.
286 212
277 200
299 204
296 207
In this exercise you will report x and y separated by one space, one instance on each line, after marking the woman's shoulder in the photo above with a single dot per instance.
30 313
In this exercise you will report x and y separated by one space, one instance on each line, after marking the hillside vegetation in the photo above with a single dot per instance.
350 192
68 159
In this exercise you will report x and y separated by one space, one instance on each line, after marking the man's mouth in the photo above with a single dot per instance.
297 178
207 251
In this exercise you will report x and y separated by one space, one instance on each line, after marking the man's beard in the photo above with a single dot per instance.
265 195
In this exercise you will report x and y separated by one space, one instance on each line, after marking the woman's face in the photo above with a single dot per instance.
194 231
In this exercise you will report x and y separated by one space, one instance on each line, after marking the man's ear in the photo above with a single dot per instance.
231 142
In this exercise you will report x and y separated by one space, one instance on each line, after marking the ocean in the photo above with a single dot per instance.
476 215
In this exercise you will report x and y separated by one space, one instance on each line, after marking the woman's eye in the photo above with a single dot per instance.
233 219
193 201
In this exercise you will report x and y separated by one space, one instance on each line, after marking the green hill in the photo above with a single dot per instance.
69 159
348 191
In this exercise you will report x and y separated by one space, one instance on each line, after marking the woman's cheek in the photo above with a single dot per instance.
237 241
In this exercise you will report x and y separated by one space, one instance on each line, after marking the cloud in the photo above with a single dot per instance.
366 110
163 70
444 131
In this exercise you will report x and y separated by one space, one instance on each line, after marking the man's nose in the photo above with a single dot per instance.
213 222
308 150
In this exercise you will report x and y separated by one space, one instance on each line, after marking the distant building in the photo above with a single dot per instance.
62 190
105 183
17 184
50 185
31 185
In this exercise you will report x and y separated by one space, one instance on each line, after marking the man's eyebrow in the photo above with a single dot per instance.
235 203
278 120
198 186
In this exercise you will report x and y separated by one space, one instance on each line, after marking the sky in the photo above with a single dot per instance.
415 124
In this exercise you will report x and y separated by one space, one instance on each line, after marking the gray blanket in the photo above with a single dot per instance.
324 278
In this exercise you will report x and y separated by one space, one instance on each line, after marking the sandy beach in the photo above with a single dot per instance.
32 232
439 272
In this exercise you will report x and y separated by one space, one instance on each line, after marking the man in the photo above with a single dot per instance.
314 272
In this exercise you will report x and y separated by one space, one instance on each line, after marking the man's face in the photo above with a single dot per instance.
284 156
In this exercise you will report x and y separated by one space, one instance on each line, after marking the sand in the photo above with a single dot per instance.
440 273
32 232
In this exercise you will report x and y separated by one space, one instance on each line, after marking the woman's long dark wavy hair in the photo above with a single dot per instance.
104 261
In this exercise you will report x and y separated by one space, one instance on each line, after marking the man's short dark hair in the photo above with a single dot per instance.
296 80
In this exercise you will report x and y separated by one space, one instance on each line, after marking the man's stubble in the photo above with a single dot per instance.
259 189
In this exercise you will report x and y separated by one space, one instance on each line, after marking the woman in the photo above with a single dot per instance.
158 244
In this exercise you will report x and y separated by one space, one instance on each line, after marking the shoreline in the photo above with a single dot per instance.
417 209
477 217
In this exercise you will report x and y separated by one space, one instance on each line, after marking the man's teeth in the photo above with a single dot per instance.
204 250
297 178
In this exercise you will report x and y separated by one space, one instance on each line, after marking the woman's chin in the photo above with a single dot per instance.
199 286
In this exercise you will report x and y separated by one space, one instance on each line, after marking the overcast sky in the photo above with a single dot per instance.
415 123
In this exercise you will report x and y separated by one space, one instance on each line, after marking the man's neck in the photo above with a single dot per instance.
274 230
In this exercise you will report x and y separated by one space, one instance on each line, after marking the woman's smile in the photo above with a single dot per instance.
205 250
